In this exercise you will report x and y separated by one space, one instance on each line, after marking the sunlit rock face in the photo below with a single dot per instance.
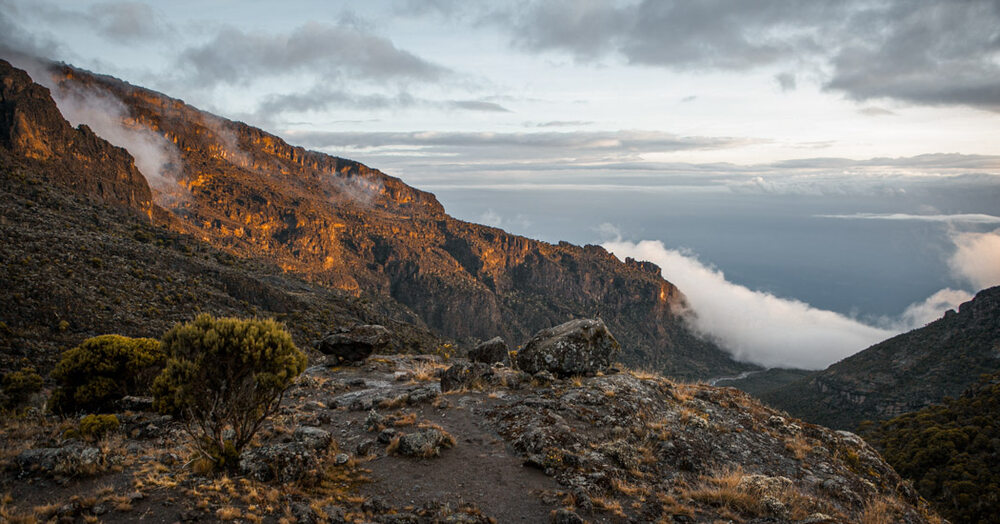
32 128
347 226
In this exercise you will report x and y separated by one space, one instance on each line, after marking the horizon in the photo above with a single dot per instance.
697 164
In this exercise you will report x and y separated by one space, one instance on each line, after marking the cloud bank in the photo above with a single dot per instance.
759 327
977 258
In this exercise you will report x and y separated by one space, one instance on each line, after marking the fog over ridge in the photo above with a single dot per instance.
759 327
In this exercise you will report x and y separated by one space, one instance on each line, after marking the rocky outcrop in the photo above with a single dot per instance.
33 130
577 347
902 374
348 345
493 350
366 234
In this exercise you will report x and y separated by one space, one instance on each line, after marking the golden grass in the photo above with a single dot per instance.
798 446
425 370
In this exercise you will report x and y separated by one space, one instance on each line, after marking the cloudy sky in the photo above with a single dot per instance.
838 157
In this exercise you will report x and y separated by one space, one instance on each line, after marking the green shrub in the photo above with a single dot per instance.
104 369
96 426
19 386
224 377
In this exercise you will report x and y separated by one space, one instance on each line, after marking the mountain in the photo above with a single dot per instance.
950 451
81 256
347 227
904 373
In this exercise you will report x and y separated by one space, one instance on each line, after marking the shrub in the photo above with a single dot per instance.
224 377
19 386
104 369
96 426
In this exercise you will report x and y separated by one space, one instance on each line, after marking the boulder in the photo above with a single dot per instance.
312 437
425 443
578 347
287 462
491 351
354 344
464 375
70 460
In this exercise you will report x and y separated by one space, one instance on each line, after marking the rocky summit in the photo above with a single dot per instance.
380 442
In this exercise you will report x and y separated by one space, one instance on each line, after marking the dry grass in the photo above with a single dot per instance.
395 402
405 419
610 505
425 370
799 446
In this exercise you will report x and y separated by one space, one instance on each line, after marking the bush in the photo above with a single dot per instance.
96 426
224 377
104 369
19 386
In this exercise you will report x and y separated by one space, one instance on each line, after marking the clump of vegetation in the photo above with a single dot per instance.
224 377
103 369
950 452
94 427
17 387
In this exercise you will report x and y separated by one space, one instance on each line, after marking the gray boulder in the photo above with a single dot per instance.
491 351
286 462
578 347
354 344
425 443
71 460
312 437
464 375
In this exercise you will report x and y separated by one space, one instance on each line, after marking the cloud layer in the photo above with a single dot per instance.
771 331
921 52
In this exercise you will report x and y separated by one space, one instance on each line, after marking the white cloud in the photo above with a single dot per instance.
771 331
977 258
922 313
968 218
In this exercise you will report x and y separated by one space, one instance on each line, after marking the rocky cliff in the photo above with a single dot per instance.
905 373
32 129
343 225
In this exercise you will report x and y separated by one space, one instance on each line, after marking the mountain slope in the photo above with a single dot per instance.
902 374
343 225
951 452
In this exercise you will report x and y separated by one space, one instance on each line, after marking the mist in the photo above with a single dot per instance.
759 327
156 157
977 258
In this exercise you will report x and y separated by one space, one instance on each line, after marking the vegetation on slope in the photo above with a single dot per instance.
951 452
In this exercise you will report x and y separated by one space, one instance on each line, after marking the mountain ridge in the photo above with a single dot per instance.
341 224
905 373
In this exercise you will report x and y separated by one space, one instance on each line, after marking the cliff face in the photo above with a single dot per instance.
31 128
902 374
355 229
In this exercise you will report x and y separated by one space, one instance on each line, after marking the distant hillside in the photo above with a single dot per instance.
902 374
354 230
951 452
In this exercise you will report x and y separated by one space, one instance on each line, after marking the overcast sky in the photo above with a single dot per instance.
883 115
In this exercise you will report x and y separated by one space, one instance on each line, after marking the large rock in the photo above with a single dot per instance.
465 375
578 347
287 462
491 351
354 344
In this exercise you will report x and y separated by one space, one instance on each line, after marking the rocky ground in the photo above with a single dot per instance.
380 442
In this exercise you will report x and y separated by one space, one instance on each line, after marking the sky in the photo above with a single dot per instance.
814 176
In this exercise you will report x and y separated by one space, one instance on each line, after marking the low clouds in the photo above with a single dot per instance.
933 53
518 147
238 57
977 258
156 157
771 331
968 218
755 326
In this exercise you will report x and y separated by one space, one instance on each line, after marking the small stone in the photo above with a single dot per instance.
492 351
565 516
341 459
